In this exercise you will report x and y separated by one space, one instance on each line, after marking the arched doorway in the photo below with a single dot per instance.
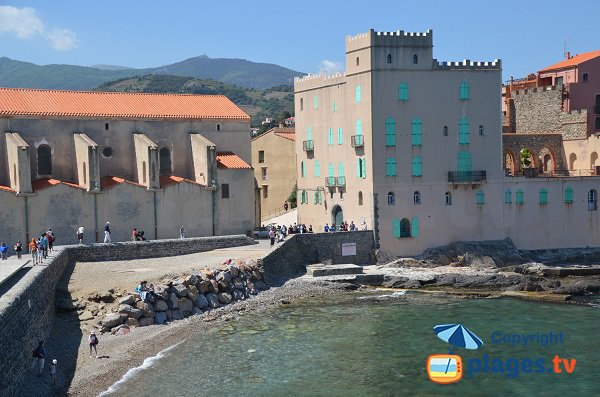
337 215
509 163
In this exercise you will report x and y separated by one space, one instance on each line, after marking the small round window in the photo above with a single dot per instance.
107 152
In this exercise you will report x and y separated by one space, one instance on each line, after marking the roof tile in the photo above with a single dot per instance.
232 161
574 61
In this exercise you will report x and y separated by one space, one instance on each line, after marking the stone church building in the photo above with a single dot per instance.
152 161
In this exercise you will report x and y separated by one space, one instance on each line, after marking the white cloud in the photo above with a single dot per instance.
24 23
329 67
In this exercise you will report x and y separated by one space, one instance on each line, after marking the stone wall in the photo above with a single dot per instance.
288 260
25 313
539 145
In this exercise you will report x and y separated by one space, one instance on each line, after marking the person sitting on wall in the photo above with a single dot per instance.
310 229
134 234
332 228
140 236
326 227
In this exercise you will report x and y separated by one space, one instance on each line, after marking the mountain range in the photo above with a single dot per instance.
240 72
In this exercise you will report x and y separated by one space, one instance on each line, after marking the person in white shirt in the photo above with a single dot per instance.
80 234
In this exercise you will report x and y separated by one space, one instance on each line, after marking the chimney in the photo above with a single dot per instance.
568 55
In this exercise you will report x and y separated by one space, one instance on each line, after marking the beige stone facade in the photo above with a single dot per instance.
274 163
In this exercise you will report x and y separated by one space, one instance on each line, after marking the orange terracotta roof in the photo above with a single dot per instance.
7 189
40 184
54 103
167 180
287 135
574 61
106 182
231 161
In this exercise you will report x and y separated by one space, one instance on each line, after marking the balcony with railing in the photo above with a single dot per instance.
357 141
466 176
340 181
330 181
308 146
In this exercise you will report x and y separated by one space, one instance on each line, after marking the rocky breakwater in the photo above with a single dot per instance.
173 299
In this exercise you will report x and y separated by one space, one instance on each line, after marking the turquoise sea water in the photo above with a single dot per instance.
357 344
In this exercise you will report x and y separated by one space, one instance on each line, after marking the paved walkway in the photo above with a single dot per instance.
11 266
289 218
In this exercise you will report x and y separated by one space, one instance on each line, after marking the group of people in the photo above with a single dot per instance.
137 235
38 247
278 233
146 292
344 227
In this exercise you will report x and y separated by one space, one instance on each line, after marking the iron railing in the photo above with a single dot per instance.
330 181
308 146
340 181
466 176
357 141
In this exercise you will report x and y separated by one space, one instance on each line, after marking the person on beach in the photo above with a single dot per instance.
181 233
3 251
39 356
107 238
93 339
53 371
19 249
80 234
33 251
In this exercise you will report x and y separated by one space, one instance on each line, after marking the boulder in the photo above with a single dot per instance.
127 300
105 297
160 318
85 316
177 315
160 306
146 308
132 322
256 275
130 311
225 297
203 286
251 288
190 280
213 300
192 293
238 295
185 305
237 283
261 285
180 290
214 286
201 302
223 285
206 274
112 320
122 330
224 276
197 311
146 321
173 301
233 270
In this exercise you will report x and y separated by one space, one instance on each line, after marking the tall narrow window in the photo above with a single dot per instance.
317 168
391 198
507 196
568 195
303 169
301 104
225 190
463 93
261 156
448 198
415 59
360 198
359 130
480 197
463 131
357 61
84 173
218 127
390 132
334 107
388 58
361 168
464 161
309 133
404 228
44 160
519 197
315 102
543 197
358 139
165 161
340 136
143 172
416 198
416 131
330 136
330 170
341 170
445 131
396 228
390 167
403 91
357 95
592 200
417 166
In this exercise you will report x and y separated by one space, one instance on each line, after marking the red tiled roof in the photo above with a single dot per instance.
7 188
287 135
44 183
31 102
231 161
574 61
167 180
107 182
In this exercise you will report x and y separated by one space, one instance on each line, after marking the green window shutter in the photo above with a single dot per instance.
317 168
403 91
417 131
315 198
341 169
568 195
464 161
315 102
330 136
543 196
334 107
358 168
357 95
302 169
320 198
417 166
480 197
396 227
507 196
414 227
464 91
359 127
309 134
390 167
463 131
340 136
364 168
330 170
390 132
519 197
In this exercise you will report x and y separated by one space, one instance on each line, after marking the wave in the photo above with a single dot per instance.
148 362
392 295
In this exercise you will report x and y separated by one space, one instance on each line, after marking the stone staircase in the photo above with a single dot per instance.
343 273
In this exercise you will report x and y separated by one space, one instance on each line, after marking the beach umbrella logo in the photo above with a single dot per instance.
448 368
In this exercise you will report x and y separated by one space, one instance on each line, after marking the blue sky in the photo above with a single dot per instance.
303 35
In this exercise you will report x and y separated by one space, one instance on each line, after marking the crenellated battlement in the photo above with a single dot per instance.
312 81
467 64
399 38
536 90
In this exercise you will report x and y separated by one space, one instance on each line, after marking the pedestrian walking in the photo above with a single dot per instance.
181 233
53 371
19 249
39 356
80 234
134 234
285 206
44 243
272 236
33 247
107 238
93 339
3 251
50 237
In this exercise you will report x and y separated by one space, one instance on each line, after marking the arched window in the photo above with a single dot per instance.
403 91
302 169
464 161
404 228
359 127
463 131
543 196
317 168
448 198
391 198
389 58
507 196
396 228
481 130
568 195
357 95
464 91
165 161
416 131
390 132
519 197
592 200
572 160
301 104
417 198
341 170
417 166
445 131
390 167
415 59
44 160
360 198
480 197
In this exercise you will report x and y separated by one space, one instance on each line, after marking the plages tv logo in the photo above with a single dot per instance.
448 368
